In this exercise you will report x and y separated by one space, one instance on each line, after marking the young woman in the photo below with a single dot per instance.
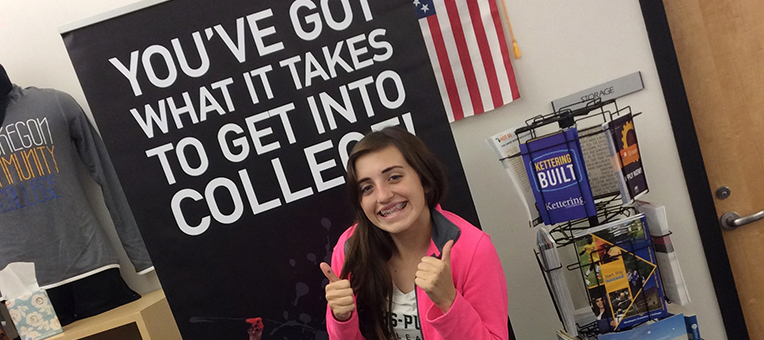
602 313
409 269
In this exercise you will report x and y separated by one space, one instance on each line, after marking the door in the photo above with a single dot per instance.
720 49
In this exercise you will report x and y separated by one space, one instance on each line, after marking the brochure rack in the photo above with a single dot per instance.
609 206
591 114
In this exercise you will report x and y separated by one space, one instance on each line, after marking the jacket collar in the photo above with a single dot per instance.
443 230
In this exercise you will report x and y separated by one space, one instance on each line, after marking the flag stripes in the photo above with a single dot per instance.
468 52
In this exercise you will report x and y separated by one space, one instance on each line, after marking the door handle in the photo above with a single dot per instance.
732 220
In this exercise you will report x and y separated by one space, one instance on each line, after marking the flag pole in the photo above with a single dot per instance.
515 48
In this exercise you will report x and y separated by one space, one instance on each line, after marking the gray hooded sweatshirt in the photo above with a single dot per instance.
45 217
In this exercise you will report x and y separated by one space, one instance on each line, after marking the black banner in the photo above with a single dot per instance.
229 124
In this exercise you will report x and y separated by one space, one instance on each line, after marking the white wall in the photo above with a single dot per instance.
567 46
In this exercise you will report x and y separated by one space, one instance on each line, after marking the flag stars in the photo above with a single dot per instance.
424 8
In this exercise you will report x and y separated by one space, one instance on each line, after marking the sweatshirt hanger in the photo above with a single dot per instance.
5 88
5 82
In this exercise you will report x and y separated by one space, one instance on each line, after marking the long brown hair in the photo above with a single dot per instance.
369 249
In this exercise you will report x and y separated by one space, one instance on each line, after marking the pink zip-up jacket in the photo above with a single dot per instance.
479 311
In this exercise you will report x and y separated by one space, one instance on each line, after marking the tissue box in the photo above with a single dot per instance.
33 316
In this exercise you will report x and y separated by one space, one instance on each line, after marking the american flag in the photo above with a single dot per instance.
469 54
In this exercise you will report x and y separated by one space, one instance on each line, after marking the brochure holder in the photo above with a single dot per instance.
591 114
609 206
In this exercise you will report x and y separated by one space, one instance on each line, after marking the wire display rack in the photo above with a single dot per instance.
609 206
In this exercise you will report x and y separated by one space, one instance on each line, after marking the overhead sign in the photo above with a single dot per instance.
611 90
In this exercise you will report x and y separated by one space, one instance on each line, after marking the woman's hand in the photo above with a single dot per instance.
434 277
339 294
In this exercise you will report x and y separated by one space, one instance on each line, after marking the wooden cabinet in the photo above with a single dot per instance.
147 318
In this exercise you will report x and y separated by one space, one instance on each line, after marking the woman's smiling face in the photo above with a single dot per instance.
600 303
392 196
